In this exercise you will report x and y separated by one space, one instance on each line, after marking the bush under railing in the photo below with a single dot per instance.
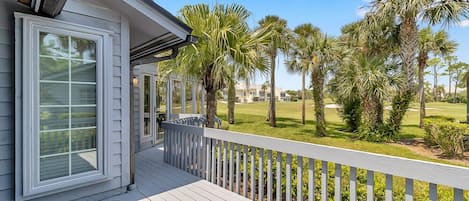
265 168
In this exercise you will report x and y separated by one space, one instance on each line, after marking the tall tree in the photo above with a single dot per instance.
408 13
429 42
224 43
278 40
449 60
300 57
435 63
459 70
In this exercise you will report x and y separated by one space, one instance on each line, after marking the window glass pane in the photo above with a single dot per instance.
83 49
54 142
83 71
83 94
53 45
53 94
83 117
146 94
54 118
83 139
54 167
53 69
83 162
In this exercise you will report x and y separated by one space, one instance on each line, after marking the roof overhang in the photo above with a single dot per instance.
152 28
50 8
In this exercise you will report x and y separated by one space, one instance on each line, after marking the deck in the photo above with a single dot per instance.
157 180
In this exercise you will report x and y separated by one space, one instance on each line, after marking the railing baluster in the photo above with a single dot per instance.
338 182
278 177
409 189
231 168
288 177
299 176
195 164
458 194
370 183
353 183
324 177
253 172
388 192
219 162
225 163
311 184
238 170
181 150
189 151
177 143
213 161
245 171
269 175
208 159
261 174
433 193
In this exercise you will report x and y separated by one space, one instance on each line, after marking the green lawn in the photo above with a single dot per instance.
250 118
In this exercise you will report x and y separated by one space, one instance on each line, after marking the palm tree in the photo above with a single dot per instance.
428 42
300 57
278 41
224 43
326 53
408 13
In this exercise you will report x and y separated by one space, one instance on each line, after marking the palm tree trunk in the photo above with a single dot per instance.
231 102
273 122
422 62
211 97
435 84
449 84
408 47
303 96
455 89
318 85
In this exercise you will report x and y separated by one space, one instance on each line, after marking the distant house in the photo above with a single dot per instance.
255 93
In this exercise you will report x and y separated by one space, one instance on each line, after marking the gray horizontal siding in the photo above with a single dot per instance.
6 103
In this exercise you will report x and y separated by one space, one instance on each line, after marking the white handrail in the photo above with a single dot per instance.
449 175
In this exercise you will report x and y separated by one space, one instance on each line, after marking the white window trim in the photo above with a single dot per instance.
31 25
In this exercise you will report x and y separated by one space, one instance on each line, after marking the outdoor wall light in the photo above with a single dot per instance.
135 81
50 8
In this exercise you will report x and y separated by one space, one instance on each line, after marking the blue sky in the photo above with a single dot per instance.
329 15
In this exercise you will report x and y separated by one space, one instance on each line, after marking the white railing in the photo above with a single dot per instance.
229 159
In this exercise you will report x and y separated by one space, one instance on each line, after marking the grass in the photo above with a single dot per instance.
250 118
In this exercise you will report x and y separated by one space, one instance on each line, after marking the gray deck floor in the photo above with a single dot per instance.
157 180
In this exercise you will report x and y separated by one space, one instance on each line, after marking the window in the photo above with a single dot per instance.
64 94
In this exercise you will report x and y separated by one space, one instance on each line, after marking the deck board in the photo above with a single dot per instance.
158 181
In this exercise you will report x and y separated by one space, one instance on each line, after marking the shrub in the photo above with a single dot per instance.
447 134
379 133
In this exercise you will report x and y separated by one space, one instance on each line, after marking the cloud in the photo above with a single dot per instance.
362 12
464 23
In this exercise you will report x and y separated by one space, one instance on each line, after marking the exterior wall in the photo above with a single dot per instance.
79 12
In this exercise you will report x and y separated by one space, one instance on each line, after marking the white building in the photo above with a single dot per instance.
255 93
